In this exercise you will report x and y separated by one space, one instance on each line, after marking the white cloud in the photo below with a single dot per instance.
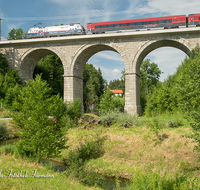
172 7
116 72
109 73
168 59
110 55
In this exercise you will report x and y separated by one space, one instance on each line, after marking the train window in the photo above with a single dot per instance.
117 25
110 25
144 23
125 24
104 26
199 18
175 20
131 24
161 21
153 22
168 21
138 23
97 27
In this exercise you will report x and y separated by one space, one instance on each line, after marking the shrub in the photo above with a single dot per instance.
175 123
73 109
109 118
113 117
156 125
3 131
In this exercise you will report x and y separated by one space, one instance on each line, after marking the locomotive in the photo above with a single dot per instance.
53 31
116 26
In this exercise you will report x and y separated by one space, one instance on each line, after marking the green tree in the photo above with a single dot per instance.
149 77
93 85
3 64
8 79
16 34
52 71
42 137
179 91
109 102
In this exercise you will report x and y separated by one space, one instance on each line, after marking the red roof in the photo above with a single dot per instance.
117 91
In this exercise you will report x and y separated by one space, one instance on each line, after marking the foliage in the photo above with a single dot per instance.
83 153
194 117
149 77
94 85
8 79
16 34
175 123
180 90
4 134
78 158
109 102
112 117
156 181
156 125
3 64
41 136
52 71
9 149
73 109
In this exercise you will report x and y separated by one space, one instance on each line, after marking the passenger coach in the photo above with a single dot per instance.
137 24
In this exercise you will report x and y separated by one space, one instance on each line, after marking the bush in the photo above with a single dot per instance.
109 118
156 125
73 109
3 131
175 123
113 117
108 102
84 152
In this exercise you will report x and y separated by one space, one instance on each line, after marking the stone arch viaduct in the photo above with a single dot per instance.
75 51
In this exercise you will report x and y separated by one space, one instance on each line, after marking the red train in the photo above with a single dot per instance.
145 23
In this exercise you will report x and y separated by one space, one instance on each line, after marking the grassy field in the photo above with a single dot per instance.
139 149
29 175
156 146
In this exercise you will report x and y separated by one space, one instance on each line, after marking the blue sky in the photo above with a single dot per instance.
25 14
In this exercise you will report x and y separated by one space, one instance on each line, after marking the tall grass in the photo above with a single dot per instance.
113 117
154 181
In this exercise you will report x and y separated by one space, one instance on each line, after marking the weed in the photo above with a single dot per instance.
113 117
175 123
155 181
9 149
156 125
4 133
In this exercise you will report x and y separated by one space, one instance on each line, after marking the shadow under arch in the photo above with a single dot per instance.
158 44
83 56
30 60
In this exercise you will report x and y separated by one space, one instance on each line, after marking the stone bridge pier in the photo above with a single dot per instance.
75 51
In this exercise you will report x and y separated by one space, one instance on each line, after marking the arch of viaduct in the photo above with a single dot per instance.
75 51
